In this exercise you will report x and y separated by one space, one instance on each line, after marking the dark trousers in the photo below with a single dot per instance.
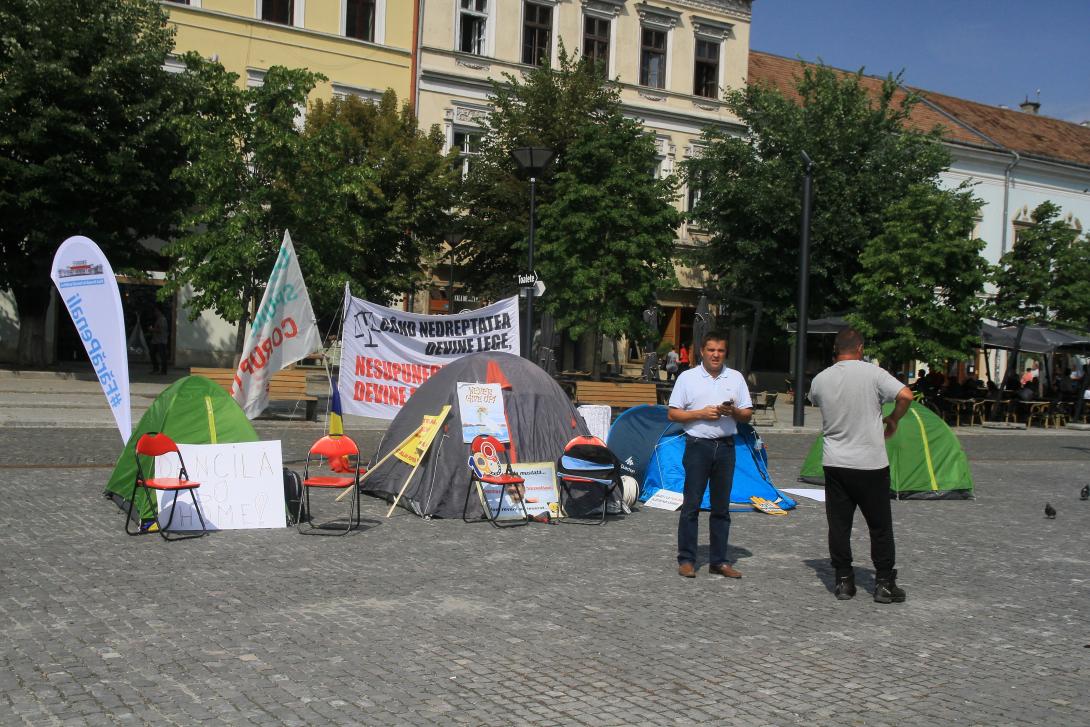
159 358
708 463
846 489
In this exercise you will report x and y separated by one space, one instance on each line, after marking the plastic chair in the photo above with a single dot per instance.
156 444
335 449
587 462
487 471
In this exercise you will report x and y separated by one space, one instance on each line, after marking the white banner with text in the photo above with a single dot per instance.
386 354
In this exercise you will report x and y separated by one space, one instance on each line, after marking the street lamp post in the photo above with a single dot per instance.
804 294
532 160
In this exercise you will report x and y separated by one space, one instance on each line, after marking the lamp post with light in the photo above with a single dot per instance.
804 292
532 160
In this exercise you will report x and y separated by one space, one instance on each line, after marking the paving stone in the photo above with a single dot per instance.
437 622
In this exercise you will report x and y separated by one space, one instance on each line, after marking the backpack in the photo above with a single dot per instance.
293 494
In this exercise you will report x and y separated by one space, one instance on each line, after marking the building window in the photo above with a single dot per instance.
472 22
359 19
278 11
179 2
537 31
653 58
596 42
706 69
468 144
696 190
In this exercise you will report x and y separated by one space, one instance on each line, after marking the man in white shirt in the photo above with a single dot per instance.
850 394
708 401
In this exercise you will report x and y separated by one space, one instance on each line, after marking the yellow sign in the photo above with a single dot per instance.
413 449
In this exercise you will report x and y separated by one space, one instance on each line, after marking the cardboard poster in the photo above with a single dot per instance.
541 493
412 451
242 486
481 409
665 500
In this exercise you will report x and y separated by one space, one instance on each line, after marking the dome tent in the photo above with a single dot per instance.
650 448
192 410
926 461
540 418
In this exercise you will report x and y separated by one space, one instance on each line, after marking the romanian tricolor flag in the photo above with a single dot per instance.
336 423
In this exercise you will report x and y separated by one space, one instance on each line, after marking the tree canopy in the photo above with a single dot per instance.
606 224
919 293
86 143
245 154
378 197
865 159
1045 276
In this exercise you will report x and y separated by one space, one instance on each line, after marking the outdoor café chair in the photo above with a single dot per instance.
488 472
588 465
156 444
335 449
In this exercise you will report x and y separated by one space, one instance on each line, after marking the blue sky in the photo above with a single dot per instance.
991 51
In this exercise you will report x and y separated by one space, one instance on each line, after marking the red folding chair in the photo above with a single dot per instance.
335 449
155 444
487 471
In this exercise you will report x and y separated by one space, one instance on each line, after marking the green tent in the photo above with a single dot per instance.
926 461
192 410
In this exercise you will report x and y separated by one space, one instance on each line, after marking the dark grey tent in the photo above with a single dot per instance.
540 417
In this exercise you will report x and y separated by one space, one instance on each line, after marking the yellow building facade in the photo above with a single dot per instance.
363 47
672 61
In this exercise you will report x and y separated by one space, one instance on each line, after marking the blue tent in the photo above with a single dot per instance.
650 448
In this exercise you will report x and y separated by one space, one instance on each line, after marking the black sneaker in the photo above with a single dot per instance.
886 590
845 588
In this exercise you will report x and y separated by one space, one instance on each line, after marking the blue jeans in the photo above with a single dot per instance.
708 463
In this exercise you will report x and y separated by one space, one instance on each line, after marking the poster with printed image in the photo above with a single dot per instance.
539 490
480 407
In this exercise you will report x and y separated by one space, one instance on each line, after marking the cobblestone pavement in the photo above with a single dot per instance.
410 622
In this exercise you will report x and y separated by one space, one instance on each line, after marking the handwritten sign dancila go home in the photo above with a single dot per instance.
242 486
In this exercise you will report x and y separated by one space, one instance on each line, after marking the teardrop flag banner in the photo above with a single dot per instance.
88 289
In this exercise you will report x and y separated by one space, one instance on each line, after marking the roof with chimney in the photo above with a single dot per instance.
961 121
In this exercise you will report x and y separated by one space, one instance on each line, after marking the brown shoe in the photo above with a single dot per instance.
686 570
725 570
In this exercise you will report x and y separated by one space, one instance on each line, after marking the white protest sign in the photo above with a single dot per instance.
541 495
283 331
88 288
665 500
387 354
242 486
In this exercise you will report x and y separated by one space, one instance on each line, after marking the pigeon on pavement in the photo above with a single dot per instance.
1050 512
1084 493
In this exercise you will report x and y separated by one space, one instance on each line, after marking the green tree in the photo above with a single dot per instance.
245 155
1032 283
919 293
85 141
1070 291
864 156
606 225
377 188
607 236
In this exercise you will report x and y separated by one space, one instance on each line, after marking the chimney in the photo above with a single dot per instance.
1031 107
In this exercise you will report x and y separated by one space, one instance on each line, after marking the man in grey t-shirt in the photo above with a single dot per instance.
850 394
